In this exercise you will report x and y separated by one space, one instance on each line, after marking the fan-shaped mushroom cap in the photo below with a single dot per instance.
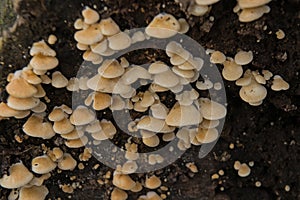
111 69
59 80
6 111
43 63
22 104
207 135
35 127
163 26
109 27
123 181
100 47
18 176
253 93
166 79
232 71
158 67
183 115
159 111
89 36
33 193
31 77
252 3
211 110
252 14
101 84
77 143
243 57
42 164
82 116
90 16
41 48
151 124
119 41
57 114
67 162
118 194
217 57
279 84
152 182
134 73
63 126
20 88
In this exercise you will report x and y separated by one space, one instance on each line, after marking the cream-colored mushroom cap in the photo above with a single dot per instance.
90 56
153 196
151 124
30 76
184 26
22 104
109 27
207 135
63 126
158 67
206 2
129 167
217 57
253 92
252 14
52 39
18 176
67 162
33 193
42 164
152 141
101 84
212 110
118 194
89 36
207 124
166 79
57 114
152 182
20 88
119 41
279 84
163 26
183 73
117 103
35 127
134 73
75 134
42 48
101 101
232 71
90 16
42 63
183 115
252 3
6 111
244 170
77 143
100 47
159 111
111 69
148 99
197 10
123 181
137 188
59 80
243 57
82 116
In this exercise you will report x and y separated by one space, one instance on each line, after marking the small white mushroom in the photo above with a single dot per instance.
253 93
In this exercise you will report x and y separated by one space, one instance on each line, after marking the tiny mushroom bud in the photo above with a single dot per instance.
18 176
42 164
244 170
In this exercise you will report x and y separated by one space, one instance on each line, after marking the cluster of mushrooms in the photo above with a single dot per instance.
111 87
252 83
247 10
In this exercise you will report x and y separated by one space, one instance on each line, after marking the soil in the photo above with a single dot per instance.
268 134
